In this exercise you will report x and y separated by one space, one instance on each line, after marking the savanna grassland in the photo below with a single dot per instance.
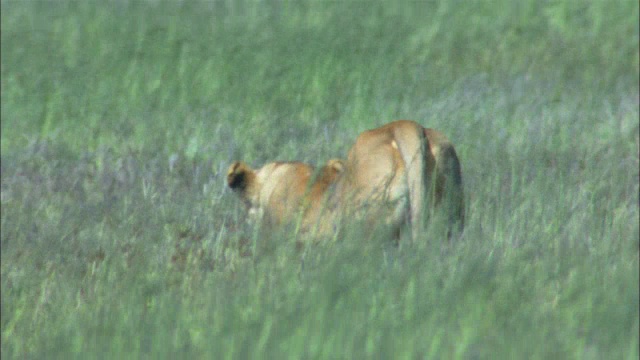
119 119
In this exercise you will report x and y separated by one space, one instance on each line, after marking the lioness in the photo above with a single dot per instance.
394 171
281 192
391 172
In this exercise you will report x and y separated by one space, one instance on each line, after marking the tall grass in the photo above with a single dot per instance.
119 119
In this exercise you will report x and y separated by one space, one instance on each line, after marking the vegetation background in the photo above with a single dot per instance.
119 119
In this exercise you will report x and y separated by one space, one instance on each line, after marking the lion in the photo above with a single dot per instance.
284 192
400 172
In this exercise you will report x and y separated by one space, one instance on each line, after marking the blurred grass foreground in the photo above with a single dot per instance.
119 119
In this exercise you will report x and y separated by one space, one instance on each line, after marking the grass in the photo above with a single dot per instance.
119 119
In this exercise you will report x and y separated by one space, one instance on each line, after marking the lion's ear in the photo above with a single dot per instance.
331 171
238 176
336 165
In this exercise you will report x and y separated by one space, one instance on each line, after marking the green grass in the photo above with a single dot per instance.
119 119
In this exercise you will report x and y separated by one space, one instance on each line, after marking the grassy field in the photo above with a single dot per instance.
119 119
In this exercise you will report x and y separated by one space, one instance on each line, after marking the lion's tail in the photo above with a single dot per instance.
413 153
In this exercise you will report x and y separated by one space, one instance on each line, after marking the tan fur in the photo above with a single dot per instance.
282 192
389 174
393 174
